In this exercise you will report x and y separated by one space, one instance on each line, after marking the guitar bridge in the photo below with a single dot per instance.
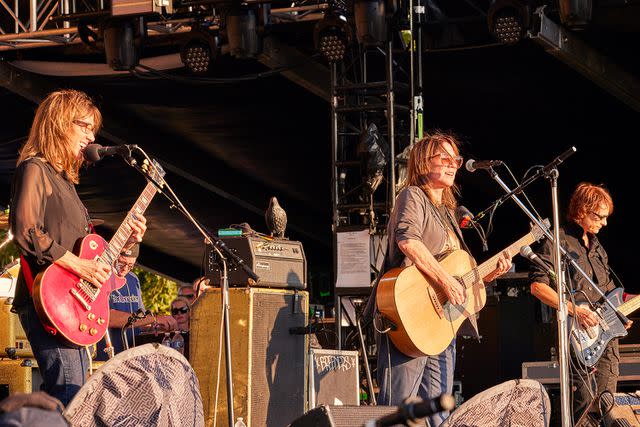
81 300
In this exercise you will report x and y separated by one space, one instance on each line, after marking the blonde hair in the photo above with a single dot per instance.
587 198
49 134
181 299
419 167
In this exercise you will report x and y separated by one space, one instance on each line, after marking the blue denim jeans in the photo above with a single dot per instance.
63 369
400 376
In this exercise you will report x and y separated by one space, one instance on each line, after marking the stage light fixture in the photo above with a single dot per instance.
371 22
373 152
332 36
122 40
508 20
199 51
242 32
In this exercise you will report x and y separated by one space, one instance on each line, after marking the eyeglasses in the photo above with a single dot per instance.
600 217
86 127
447 160
123 264
181 310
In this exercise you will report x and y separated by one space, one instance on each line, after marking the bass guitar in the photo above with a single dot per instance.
424 320
74 309
589 344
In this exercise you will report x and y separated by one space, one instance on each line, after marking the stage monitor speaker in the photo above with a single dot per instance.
333 377
512 403
342 416
268 362
621 409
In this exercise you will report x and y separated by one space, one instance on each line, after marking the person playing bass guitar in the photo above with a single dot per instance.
589 208
421 227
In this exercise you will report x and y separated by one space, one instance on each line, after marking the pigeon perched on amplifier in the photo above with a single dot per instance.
276 218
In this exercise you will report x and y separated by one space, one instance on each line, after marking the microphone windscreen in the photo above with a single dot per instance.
90 153
469 165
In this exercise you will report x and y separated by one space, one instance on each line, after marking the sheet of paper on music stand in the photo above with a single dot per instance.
353 259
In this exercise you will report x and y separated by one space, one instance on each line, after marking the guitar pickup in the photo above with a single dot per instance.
81 300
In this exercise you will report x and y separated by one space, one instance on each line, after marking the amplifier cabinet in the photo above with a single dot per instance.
268 362
333 377
23 376
548 372
11 333
278 263
16 376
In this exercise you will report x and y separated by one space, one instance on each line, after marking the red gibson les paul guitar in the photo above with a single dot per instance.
75 309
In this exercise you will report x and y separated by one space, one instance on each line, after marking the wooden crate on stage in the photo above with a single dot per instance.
269 363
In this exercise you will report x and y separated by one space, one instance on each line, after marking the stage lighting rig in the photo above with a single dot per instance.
332 36
122 41
242 33
371 22
508 20
199 51
373 152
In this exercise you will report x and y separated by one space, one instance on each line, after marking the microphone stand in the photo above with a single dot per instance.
224 254
551 172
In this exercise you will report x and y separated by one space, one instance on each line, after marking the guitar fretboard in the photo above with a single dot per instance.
123 233
478 273
630 306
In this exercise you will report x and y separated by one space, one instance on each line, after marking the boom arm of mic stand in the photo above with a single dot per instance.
544 171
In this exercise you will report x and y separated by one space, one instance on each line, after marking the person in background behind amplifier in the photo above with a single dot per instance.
199 285
589 209
124 302
180 310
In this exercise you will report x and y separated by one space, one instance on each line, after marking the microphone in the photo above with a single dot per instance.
528 253
413 410
464 217
96 152
474 165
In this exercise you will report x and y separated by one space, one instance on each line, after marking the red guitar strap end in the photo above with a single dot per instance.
26 273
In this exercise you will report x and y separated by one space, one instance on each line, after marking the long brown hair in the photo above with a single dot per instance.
587 198
419 168
49 134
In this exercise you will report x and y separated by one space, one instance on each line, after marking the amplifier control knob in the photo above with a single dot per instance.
587 358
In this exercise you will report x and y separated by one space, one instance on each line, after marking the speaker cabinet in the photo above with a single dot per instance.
11 333
333 377
342 416
268 362
18 376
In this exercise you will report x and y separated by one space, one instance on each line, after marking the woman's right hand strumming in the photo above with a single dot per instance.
95 272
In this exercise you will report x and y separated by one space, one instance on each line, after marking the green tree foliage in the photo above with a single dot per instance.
9 252
157 291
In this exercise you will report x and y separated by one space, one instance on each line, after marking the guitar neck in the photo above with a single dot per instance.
489 265
123 233
630 306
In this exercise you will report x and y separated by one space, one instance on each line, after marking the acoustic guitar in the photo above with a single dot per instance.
74 309
424 321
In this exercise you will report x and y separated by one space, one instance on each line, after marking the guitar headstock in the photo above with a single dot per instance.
537 232
154 171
